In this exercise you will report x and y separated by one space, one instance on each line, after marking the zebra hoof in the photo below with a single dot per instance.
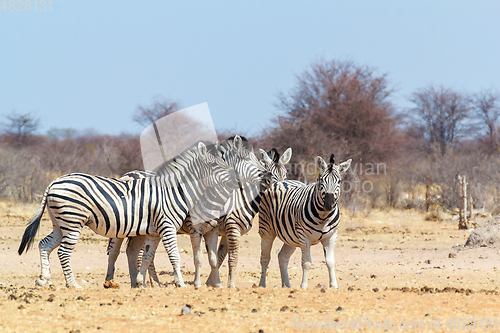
41 283
213 285
180 284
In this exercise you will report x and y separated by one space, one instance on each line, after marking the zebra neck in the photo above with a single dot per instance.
210 205
249 192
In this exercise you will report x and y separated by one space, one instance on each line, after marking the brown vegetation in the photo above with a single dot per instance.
402 158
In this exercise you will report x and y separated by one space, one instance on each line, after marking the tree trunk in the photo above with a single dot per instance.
463 221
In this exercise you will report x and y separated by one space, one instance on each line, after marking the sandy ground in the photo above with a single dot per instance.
396 272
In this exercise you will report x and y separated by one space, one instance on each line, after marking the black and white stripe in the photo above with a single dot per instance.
237 152
126 208
302 215
239 222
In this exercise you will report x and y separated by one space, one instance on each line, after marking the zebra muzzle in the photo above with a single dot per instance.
329 201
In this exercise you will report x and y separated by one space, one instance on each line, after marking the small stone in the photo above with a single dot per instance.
111 285
254 310
339 309
185 311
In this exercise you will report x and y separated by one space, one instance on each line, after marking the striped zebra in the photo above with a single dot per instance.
239 222
237 152
120 208
114 244
302 215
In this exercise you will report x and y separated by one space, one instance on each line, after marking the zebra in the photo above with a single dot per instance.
239 222
235 224
235 157
302 215
237 152
114 244
125 208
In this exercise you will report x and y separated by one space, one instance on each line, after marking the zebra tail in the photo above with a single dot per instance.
33 226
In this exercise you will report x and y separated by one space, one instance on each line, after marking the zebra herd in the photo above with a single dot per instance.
209 190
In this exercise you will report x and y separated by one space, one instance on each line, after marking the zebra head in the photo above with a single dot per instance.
215 171
275 164
330 177
238 153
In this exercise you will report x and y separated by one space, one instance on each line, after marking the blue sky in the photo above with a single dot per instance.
90 64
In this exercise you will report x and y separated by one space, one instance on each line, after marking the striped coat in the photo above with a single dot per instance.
301 216
239 222
126 208
237 152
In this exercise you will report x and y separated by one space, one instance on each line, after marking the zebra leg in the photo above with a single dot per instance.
266 244
211 238
233 241
169 239
68 243
114 246
283 258
328 248
306 260
46 246
153 277
222 250
197 255
135 244
147 261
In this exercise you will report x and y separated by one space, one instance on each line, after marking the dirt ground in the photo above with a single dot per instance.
396 272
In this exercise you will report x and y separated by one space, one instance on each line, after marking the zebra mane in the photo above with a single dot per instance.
332 159
165 166
274 155
229 142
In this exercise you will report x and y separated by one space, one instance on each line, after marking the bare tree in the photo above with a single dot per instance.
335 107
487 108
159 108
20 127
441 116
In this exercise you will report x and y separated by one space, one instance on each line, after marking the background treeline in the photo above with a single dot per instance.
404 157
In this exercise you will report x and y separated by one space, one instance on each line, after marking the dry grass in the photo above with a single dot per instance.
391 265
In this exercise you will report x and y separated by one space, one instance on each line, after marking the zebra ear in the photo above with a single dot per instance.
343 167
238 143
264 157
287 155
321 164
202 150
